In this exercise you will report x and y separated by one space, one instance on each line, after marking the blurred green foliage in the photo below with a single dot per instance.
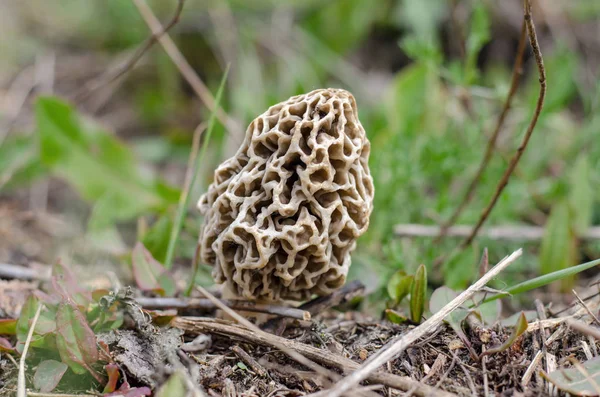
426 142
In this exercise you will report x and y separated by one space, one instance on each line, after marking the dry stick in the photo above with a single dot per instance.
587 309
489 151
206 304
512 233
299 357
425 328
584 328
521 149
150 41
21 385
211 325
249 360
184 67
243 321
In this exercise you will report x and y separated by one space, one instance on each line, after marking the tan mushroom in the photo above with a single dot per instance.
282 216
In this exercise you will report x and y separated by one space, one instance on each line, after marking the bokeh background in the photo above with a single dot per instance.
430 78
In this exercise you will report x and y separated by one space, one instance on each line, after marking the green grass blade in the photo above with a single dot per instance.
183 204
544 280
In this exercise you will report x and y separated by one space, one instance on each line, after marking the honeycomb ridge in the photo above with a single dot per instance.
282 216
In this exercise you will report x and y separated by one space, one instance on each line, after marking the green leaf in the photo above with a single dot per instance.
24 323
576 381
518 330
395 317
48 375
409 98
558 250
544 280
185 199
489 312
96 164
19 162
156 239
399 286
418 292
175 386
581 197
242 366
149 274
8 326
440 298
75 340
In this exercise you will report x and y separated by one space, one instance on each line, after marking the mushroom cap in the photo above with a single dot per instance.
283 214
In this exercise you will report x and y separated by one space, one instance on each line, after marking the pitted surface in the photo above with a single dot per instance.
282 216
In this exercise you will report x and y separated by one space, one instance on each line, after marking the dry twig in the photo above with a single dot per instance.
489 151
206 304
184 67
587 309
425 328
521 149
105 80
251 362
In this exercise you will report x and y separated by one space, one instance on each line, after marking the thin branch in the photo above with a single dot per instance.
182 64
8 271
21 385
511 233
250 361
489 151
127 66
586 308
206 304
521 149
424 329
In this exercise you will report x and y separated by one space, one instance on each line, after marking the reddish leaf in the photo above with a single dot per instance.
67 286
112 370
8 326
48 374
75 340
149 274
5 345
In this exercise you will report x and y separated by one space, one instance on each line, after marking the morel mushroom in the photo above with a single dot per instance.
282 216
